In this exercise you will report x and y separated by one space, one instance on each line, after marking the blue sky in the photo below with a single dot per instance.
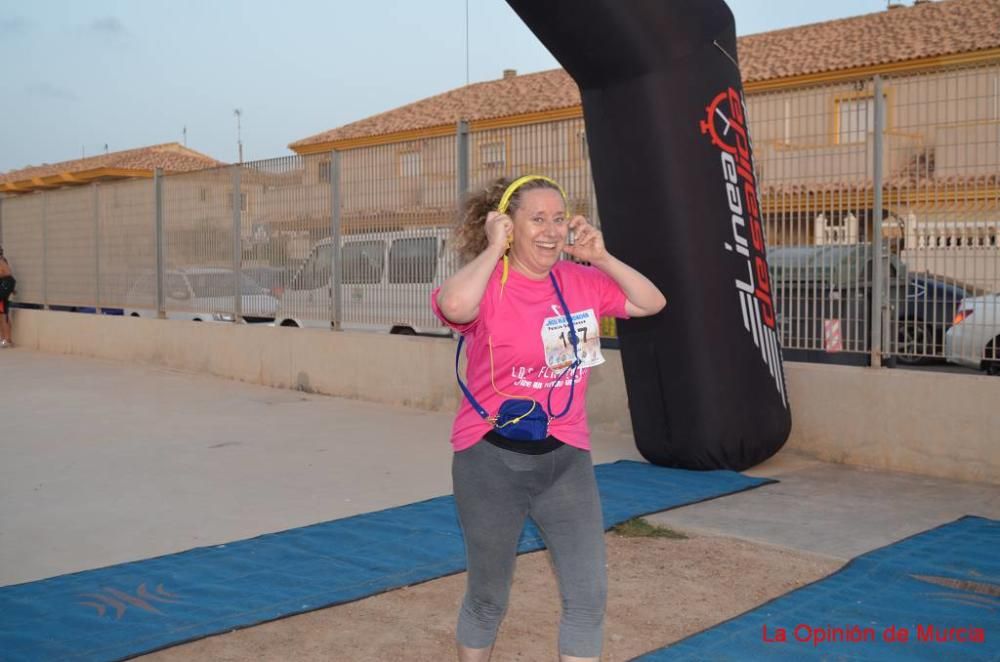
129 73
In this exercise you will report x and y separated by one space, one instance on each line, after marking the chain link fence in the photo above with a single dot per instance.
880 198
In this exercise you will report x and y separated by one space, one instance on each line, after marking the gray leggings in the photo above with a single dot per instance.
495 490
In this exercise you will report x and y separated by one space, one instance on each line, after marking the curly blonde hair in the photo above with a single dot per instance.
469 237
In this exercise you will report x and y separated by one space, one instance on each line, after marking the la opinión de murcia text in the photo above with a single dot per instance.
894 634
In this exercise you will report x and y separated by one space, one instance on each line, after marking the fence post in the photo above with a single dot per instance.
45 251
462 161
237 245
879 272
97 247
336 218
161 308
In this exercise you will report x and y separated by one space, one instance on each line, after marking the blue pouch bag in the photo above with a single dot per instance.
521 420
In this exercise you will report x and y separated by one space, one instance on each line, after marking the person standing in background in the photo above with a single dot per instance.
7 284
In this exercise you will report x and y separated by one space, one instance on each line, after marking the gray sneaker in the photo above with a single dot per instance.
6 343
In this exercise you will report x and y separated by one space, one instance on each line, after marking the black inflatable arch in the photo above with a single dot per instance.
673 167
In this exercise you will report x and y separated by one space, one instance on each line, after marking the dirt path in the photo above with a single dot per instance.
660 590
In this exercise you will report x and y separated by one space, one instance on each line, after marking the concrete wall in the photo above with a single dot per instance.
931 423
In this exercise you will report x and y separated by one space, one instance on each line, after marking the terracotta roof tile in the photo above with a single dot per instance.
896 35
547 90
172 157
929 29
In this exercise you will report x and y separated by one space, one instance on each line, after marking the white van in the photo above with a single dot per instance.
386 283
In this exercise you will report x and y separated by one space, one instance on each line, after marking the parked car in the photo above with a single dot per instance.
974 338
202 295
923 320
386 279
87 309
813 284
273 279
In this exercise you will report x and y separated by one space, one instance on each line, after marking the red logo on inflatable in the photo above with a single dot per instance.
725 124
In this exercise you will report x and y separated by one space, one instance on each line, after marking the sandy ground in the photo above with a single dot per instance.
660 590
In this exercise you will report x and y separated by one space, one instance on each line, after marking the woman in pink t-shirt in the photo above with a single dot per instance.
510 302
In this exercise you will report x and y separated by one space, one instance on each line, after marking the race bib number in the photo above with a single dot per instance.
558 346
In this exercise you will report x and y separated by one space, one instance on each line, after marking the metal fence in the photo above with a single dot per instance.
880 198
942 204
126 244
810 184
882 208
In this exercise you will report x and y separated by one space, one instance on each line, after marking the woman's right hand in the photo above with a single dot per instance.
460 295
498 227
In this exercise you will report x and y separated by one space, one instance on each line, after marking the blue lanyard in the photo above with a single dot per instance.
575 365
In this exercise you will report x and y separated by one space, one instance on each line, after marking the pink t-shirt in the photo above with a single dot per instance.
517 323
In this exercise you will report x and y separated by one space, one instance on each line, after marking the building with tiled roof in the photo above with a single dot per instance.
529 98
811 99
140 162
926 36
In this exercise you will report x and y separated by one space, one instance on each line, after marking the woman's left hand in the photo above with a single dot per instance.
588 245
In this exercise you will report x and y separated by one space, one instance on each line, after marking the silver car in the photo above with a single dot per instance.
974 338
202 294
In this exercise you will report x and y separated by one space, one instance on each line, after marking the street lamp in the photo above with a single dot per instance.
239 137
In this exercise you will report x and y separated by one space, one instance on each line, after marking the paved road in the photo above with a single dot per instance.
103 462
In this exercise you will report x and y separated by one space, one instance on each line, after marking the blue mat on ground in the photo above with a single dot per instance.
942 586
133 608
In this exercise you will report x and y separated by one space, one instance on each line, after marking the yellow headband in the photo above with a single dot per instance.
518 183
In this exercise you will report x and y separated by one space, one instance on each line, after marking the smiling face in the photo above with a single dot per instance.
540 229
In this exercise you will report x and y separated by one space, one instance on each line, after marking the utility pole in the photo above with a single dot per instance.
466 43
239 133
